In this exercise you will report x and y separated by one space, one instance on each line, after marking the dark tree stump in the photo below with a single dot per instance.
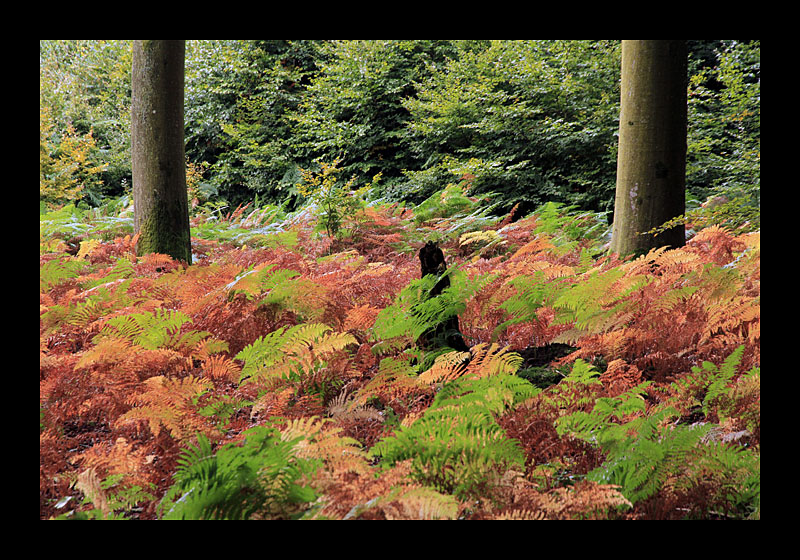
447 332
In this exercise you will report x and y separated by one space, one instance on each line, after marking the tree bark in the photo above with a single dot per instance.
651 164
161 210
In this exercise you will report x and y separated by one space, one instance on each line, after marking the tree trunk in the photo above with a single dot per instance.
161 210
651 165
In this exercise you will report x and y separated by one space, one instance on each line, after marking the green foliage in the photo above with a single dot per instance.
292 353
111 219
641 453
85 89
240 97
157 329
739 215
530 120
719 377
641 463
532 292
644 452
56 271
333 202
414 312
353 108
457 442
261 477
566 225
449 202
68 165
724 138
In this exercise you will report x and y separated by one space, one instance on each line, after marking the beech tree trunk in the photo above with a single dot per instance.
161 210
651 164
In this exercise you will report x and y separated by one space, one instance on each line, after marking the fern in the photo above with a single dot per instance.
414 502
56 271
731 474
719 377
641 464
600 302
292 353
157 329
123 268
261 478
395 379
414 312
531 293
282 288
457 441
641 454
169 404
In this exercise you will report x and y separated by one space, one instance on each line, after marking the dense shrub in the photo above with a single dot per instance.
530 121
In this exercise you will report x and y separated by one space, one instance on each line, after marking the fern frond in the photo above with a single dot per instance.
585 500
317 439
361 317
415 502
157 329
263 478
720 378
457 442
123 268
108 351
168 404
395 379
221 367
295 351
446 367
414 312
89 483
56 271
120 459
492 359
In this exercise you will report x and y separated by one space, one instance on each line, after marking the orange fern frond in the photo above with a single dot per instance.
538 245
360 318
272 404
221 367
395 379
492 359
167 404
90 484
121 458
446 368
321 440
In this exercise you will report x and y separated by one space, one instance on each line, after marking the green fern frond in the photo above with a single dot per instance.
157 329
457 441
720 378
642 464
414 311
290 351
122 269
56 271
261 478
532 292
600 302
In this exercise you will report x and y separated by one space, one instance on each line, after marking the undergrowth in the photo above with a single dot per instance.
278 376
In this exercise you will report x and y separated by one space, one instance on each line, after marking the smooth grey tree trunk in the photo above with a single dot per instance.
161 210
651 164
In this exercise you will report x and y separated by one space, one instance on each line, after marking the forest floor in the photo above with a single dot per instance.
279 375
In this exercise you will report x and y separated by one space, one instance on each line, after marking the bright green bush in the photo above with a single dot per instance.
531 120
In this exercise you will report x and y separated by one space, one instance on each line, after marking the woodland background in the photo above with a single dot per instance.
316 169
